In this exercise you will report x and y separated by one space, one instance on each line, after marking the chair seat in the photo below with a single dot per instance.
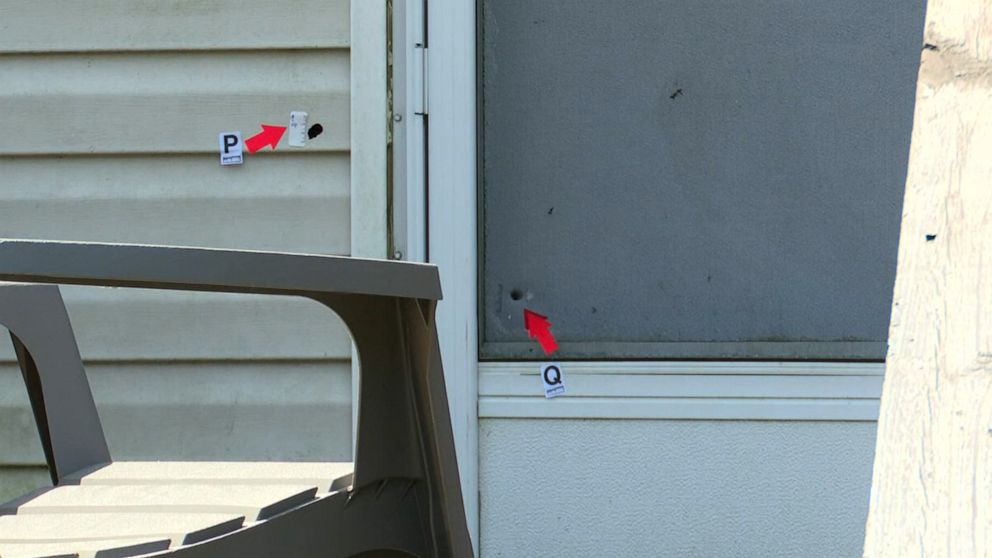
325 476
180 528
107 548
147 502
254 501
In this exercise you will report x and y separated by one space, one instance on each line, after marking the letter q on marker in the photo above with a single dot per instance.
231 148
553 378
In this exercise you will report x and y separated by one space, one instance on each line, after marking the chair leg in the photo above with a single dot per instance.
29 371
61 400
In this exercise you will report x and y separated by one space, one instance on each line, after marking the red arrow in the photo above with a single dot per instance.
539 328
270 135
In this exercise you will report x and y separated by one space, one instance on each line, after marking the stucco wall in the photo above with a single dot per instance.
674 488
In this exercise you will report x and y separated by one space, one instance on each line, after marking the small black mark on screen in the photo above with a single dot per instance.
552 210
929 46
709 278
931 237
315 131
516 294
594 310
677 93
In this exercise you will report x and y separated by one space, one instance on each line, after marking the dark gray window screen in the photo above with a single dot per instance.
694 179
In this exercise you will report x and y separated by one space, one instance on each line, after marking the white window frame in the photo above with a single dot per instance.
435 75
368 129
451 210
716 390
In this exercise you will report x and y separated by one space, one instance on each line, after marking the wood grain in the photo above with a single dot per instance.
932 477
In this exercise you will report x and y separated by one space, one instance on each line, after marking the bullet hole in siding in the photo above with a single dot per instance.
928 46
677 93
931 237
315 131
516 294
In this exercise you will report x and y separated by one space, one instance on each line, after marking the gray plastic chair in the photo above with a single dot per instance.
400 497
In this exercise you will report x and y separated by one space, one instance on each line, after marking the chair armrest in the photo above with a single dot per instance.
206 269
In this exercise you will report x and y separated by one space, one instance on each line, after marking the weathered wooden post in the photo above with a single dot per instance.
932 486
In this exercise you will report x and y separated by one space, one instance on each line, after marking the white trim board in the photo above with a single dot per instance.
722 368
409 230
686 390
861 410
369 111
451 155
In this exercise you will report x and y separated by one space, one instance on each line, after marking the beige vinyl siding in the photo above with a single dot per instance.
166 103
109 113
139 25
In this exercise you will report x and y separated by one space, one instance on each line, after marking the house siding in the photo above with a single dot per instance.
110 117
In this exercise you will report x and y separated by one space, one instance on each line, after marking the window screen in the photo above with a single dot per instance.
705 179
